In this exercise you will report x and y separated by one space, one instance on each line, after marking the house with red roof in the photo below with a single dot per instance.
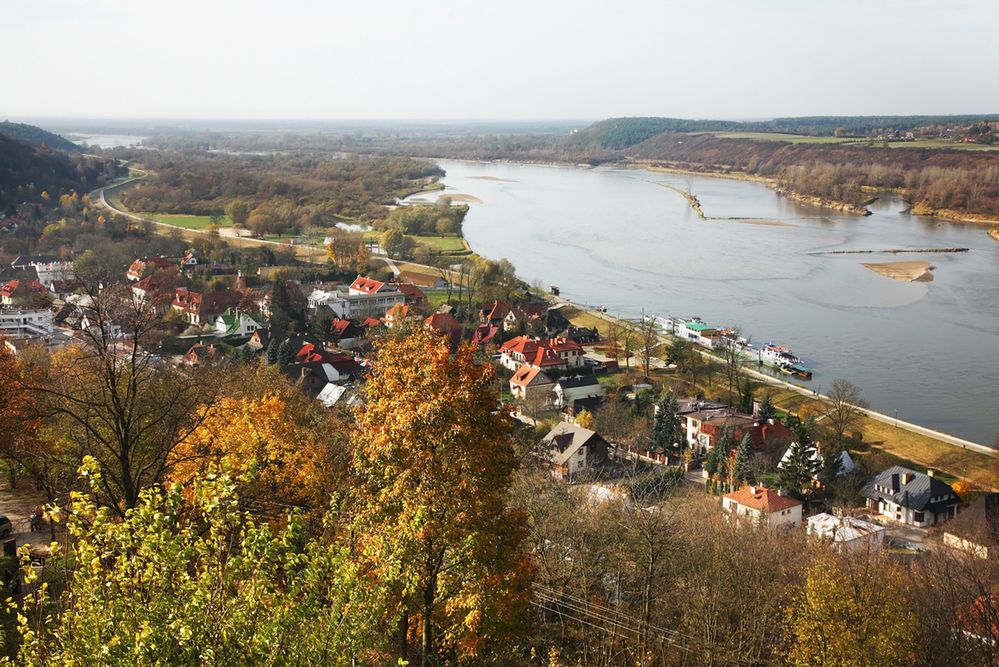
415 298
494 313
446 325
763 507
18 292
397 316
529 382
545 353
345 333
363 285
145 266
200 308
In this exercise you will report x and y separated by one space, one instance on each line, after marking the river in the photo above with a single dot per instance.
928 351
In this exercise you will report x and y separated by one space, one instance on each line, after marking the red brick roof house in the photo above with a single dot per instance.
145 266
763 506
362 285
17 290
494 312
541 352
423 280
445 324
200 354
484 334
204 308
397 316
346 333
414 295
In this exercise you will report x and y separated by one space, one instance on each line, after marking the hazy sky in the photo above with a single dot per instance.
512 59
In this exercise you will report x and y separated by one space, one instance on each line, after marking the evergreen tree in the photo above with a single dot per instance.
322 326
767 409
272 351
798 469
711 462
744 459
746 396
832 464
285 356
666 427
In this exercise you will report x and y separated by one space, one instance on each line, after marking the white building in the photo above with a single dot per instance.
571 389
573 449
364 298
763 506
49 272
238 323
847 533
25 323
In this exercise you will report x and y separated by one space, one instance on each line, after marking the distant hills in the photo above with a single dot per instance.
619 133
36 136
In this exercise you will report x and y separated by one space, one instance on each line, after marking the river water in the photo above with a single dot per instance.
619 238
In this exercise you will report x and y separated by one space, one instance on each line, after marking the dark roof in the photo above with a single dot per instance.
578 381
590 403
915 494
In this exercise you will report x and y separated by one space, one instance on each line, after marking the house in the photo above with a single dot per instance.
145 266
259 340
60 289
397 316
484 334
423 280
697 332
237 323
157 289
28 261
704 427
201 354
494 313
568 390
415 298
188 261
910 497
573 450
11 223
762 506
847 533
364 297
529 382
313 376
976 528
200 308
331 395
581 335
446 325
523 315
346 334
846 464
545 353
555 321
27 293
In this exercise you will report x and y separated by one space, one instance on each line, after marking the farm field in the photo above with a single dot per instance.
186 221
793 138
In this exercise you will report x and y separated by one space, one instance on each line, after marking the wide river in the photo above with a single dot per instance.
620 239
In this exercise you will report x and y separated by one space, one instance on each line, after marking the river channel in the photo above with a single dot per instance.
928 351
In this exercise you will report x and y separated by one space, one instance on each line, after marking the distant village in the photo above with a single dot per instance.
553 373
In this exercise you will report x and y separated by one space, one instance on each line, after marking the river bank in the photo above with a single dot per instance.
909 443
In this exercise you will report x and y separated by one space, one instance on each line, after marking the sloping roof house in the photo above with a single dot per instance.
910 497
570 389
528 382
573 449
764 506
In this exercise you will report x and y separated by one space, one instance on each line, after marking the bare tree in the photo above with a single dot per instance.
733 361
649 343
846 410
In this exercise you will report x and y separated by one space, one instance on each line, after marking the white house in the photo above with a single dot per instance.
696 331
49 272
25 323
571 389
846 464
238 323
363 298
573 449
847 533
763 506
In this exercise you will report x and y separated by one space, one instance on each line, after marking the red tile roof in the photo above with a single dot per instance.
525 375
366 285
763 499
412 292
443 322
11 286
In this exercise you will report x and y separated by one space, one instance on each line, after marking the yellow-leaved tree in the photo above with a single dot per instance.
434 461
852 613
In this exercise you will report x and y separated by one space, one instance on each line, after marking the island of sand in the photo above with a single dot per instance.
911 271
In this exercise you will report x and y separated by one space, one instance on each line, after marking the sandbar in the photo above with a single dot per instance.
913 271
493 178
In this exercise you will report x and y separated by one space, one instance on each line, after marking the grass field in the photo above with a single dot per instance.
793 138
941 143
186 221
450 244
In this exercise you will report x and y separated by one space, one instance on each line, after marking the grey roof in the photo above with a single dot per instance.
565 439
915 494
578 381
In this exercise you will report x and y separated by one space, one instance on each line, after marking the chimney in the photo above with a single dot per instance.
752 490
894 482
781 492
929 473
770 421
905 478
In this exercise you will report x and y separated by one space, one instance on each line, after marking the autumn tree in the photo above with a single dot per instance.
111 398
434 462
187 578
238 211
852 612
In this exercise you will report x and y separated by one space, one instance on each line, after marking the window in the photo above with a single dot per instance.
919 517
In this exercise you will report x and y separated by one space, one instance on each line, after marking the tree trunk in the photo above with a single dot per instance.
429 593
404 636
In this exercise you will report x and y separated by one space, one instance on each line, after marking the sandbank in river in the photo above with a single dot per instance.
911 271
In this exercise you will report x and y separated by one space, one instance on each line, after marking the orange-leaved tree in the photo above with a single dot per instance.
434 461
261 441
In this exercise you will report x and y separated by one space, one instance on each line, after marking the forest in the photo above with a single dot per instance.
277 193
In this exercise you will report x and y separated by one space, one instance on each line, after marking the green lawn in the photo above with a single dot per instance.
442 243
793 138
187 221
